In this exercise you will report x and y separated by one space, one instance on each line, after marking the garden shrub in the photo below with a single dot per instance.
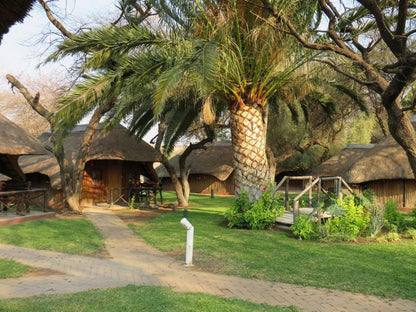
257 215
393 218
389 237
376 219
410 233
412 215
355 221
304 227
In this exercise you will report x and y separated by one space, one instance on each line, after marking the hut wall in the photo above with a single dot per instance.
99 177
200 183
403 192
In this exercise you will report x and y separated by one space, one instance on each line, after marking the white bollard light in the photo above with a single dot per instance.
189 241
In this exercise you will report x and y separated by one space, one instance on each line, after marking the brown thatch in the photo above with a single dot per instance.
357 164
12 11
14 142
339 164
216 160
115 145
386 161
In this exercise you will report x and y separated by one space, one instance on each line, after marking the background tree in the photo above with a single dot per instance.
333 113
63 117
214 55
16 108
350 33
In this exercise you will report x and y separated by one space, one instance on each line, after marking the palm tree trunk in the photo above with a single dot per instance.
249 145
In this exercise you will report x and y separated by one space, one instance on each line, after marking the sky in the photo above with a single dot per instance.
20 52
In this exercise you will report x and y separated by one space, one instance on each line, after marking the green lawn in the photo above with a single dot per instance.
10 269
371 268
76 236
133 298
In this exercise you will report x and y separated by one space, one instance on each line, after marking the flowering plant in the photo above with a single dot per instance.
255 215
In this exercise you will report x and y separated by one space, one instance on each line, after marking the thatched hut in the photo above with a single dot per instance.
12 12
115 161
210 169
15 142
383 167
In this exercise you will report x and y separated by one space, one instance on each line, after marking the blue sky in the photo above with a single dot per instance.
19 52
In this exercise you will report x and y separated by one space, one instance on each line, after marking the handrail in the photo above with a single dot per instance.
347 186
280 184
291 178
296 199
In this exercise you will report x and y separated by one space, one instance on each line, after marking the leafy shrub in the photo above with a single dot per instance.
412 215
410 233
376 219
393 218
304 227
235 214
257 215
355 221
389 237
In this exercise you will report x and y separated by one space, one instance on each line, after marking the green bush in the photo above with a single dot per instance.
410 233
235 214
394 220
412 215
354 221
304 227
257 215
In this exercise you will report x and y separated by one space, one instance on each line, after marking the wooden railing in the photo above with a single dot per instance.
22 198
338 184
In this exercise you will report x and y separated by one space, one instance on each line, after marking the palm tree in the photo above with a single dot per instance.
212 55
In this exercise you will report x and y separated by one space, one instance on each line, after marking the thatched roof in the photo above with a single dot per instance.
358 164
14 142
115 145
216 160
387 160
12 11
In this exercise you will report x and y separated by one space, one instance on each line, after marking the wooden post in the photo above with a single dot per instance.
319 190
310 193
287 193
339 188
295 210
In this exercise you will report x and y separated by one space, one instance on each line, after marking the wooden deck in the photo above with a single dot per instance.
287 217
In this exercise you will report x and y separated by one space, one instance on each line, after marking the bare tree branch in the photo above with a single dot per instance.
54 21
33 101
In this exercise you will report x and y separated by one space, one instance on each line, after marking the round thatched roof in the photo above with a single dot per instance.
216 160
387 160
361 163
12 11
115 145
14 142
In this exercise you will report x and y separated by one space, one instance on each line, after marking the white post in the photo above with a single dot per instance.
189 241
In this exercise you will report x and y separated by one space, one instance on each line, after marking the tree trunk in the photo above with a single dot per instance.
249 145
72 199
402 131
182 201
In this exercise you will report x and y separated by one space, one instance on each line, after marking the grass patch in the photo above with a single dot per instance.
134 298
73 236
12 269
378 269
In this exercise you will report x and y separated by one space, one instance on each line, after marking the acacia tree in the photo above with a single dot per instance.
63 117
353 33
